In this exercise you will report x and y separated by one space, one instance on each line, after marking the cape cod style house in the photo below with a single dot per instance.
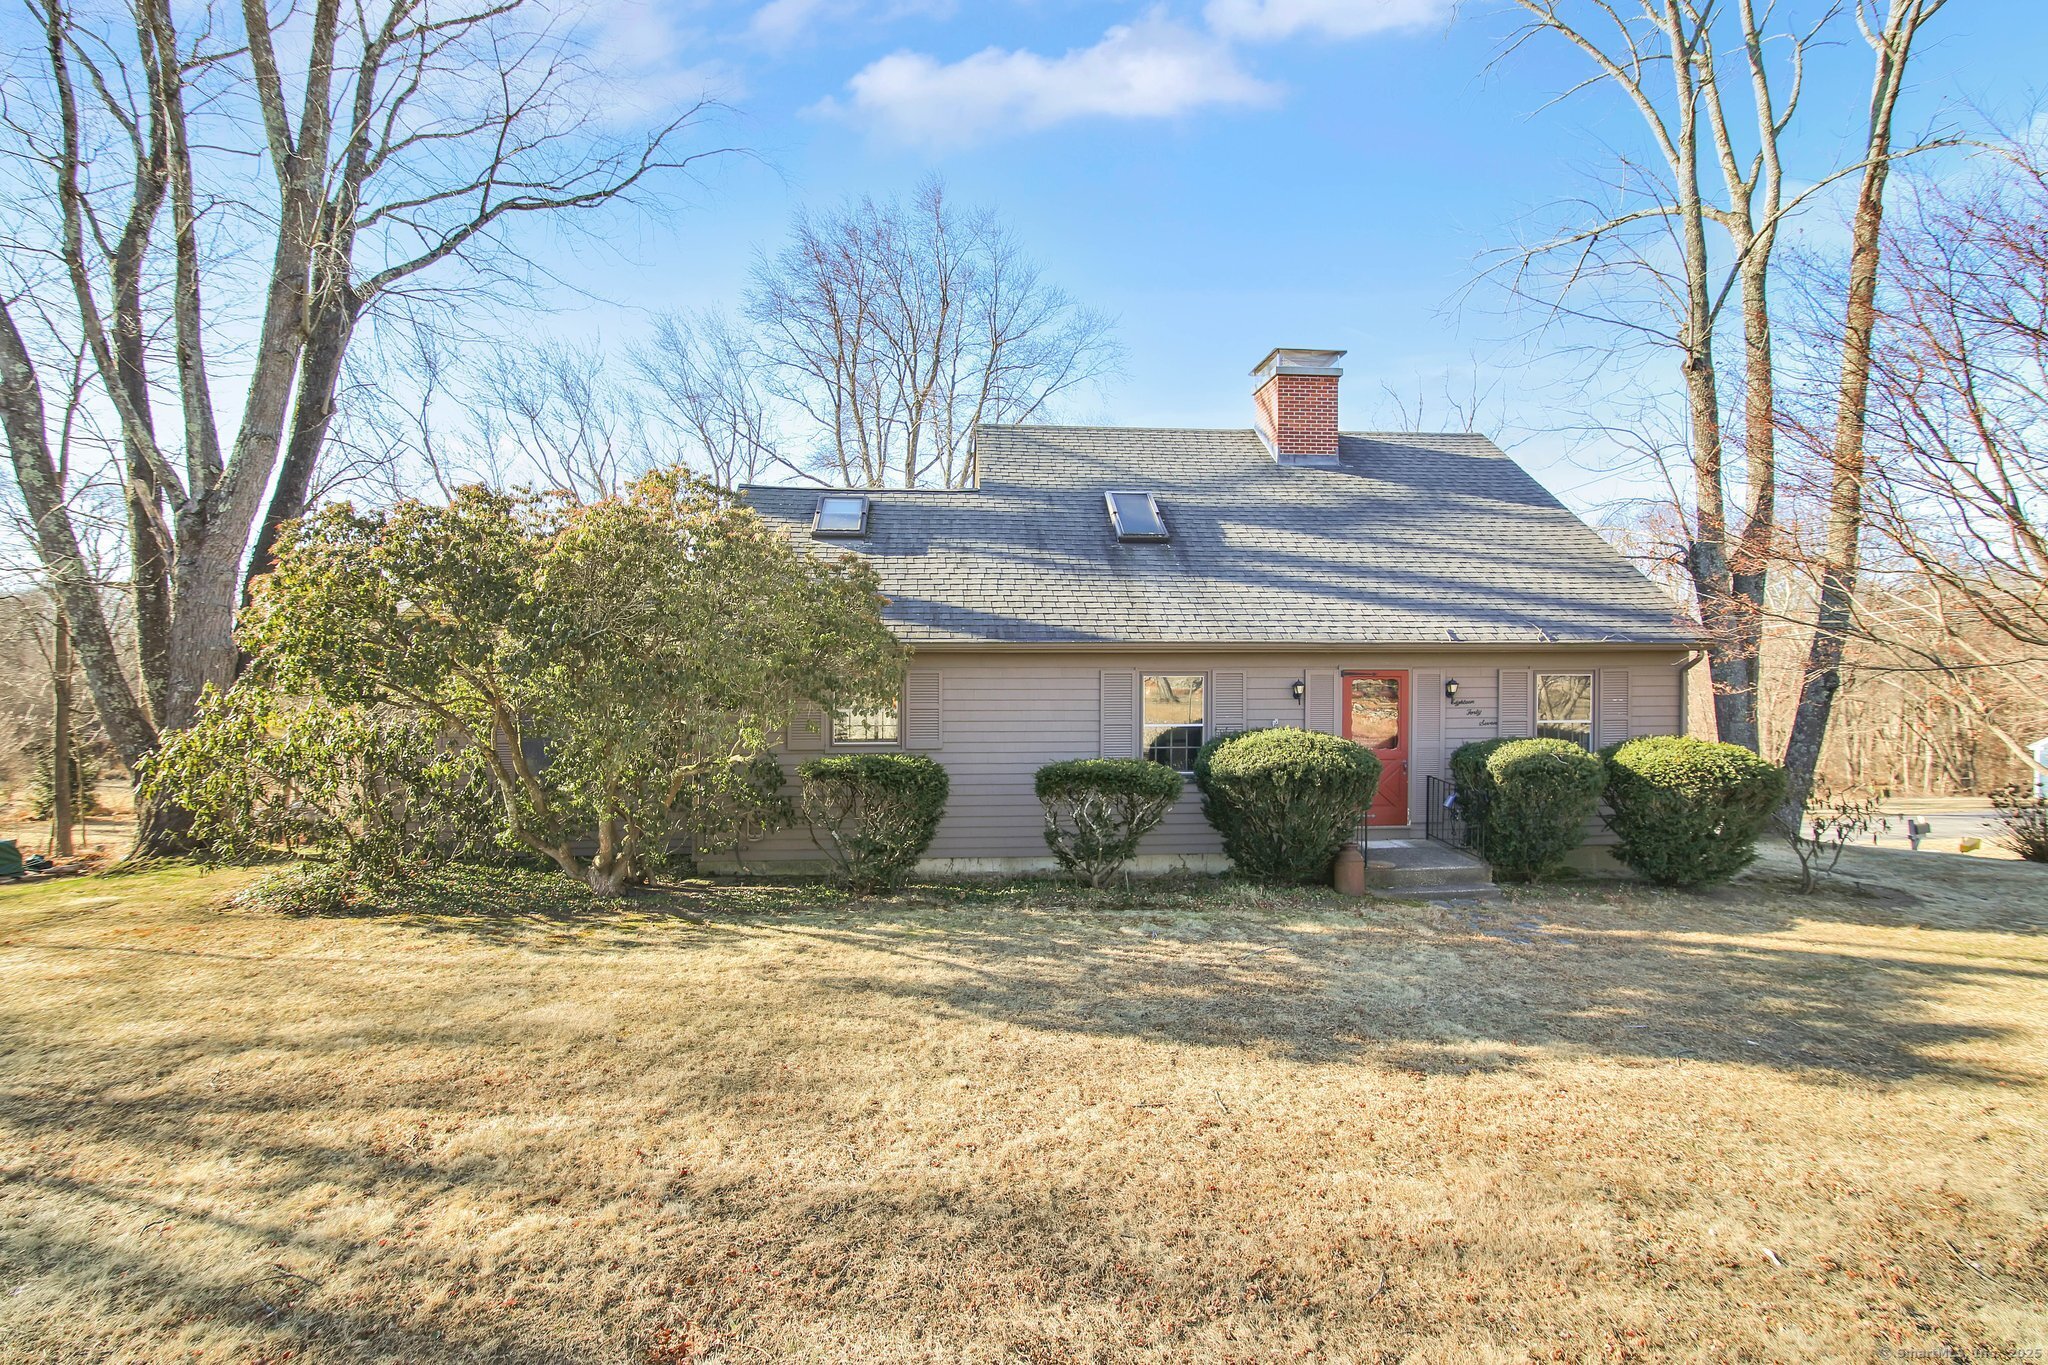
1119 592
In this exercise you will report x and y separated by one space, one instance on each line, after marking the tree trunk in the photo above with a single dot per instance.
1842 564
63 801
1707 552
124 718
1747 579
208 582
163 829
203 627
319 377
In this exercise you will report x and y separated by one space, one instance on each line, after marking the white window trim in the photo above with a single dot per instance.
1208 726
832 727
1592 677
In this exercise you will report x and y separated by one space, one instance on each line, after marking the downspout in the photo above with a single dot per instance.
1685 667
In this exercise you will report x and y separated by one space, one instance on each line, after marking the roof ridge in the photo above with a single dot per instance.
829 490
1106 426
1208 431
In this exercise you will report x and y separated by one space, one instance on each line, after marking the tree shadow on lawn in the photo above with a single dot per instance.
545 912
1888 888
138 1271
1733 974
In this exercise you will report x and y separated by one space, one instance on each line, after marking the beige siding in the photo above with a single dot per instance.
1654 701
1006 713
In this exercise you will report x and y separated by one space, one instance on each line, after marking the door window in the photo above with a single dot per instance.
1376 712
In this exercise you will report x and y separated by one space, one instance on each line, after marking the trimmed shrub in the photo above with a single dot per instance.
1097 809
1531 799
1285 800
1471 780
874 815
1688 811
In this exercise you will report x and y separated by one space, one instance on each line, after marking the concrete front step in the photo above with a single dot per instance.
1422 869
1464 893
1382 876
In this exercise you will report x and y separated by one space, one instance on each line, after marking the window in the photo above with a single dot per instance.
1173 718
869 725
841 514
1564 707
1135 516
1375 719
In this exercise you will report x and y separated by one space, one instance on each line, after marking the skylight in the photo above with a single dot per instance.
841 514
1135 516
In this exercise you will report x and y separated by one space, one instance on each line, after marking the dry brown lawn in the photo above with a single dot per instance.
1191 1123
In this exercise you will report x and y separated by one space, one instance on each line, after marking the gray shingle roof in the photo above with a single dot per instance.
1410 538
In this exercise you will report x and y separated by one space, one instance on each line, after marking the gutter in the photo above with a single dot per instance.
1296 646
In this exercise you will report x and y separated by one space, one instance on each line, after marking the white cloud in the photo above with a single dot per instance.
1269 20
647 60
1154 68
781 22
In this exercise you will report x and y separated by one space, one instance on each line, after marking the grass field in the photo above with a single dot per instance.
1195 1122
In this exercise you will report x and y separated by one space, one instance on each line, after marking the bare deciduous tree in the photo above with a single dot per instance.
893 329
1958 681
1959 404
706 381
560 410
1891 44
1662 261
1649 265
313 163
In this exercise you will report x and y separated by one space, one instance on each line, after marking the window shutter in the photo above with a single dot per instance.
1517 703
1610 707
1426 727
923 710
1321 704
534 749
1226 702
501 743
806 728
1119 713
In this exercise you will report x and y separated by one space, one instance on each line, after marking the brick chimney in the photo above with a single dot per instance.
1296 405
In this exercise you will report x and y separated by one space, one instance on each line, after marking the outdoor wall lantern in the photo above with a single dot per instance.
1450 689
1299 690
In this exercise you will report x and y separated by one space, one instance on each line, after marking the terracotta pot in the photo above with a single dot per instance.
1350 878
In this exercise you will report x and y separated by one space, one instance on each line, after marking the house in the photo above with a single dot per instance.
1117 592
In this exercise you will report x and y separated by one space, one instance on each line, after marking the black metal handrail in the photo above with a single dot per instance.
1447 819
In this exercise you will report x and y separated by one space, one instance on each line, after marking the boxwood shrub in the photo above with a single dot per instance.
1285 800
1531 799
1471 780
874 815
1687 812
1097 809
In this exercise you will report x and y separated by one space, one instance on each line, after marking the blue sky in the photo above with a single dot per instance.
1220 176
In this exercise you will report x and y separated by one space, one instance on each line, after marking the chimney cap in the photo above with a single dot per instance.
1297 360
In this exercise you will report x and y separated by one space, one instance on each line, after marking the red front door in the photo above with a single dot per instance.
1376 715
